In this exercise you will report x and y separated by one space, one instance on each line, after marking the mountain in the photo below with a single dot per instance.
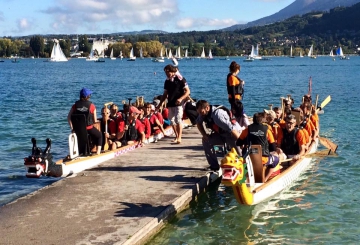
143 32
298 7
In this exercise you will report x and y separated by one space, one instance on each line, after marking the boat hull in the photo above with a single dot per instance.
254 193
67 166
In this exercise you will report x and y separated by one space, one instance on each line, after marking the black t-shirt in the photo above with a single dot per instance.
175 90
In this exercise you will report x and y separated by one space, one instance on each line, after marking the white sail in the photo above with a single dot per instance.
91 56
252 54
331 53
186 53
202 53
178 51
170 54
57 55
210 55
301 54
112 55
310 51
141 53
161 54
131 55
291 51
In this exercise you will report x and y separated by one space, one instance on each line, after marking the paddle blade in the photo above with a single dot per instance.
328 144
325 102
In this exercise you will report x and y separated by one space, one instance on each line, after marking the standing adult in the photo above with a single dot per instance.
176 90
235 86
224 130
85 107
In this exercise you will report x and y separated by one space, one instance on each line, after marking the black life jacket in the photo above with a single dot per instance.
289 144
239 89
83 107
131 132
209 121
257 135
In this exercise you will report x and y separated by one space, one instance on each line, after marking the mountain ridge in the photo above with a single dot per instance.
298 7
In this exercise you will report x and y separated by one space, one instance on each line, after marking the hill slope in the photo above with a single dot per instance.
299 7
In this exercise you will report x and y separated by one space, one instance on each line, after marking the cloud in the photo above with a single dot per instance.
204 23
74 15
23 25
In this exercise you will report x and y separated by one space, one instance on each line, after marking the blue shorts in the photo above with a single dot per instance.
273 161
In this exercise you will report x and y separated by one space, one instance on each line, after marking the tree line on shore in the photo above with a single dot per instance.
324 30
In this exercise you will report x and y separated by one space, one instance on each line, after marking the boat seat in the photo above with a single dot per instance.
256 159
79 126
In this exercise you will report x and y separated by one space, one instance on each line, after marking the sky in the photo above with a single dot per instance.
32 17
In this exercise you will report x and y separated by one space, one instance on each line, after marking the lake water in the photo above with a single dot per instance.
321 208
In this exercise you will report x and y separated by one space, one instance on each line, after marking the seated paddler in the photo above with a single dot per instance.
85 107
108 129
258 133
293 141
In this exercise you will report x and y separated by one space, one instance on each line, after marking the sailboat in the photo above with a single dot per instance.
202 56
141 53
256 55
210 57
112 55
300 55
340 53
186 55
120 55
250 57
170 56
131 56
331 53
178 53
91 56
161 58
291 53
102 56
311 53
57 55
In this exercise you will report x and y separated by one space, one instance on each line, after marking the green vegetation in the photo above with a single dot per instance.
324 30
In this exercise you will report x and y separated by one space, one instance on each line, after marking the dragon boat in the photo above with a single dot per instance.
40 163
246 174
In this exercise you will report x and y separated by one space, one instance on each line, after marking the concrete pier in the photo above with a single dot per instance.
123 201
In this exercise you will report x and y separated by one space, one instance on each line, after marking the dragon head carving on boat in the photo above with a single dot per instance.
232 167
37 163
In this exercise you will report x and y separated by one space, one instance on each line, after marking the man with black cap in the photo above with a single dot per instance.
85 107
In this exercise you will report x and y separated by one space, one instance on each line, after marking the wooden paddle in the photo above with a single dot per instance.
321 153
328 144
106 145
